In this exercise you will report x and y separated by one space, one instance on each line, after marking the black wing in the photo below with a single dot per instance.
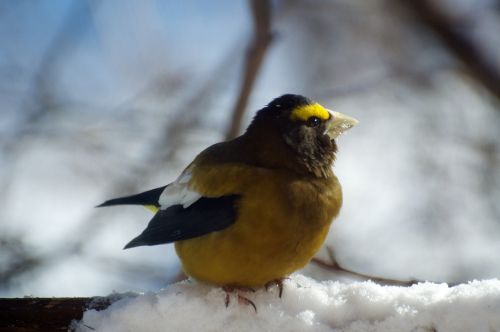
176 223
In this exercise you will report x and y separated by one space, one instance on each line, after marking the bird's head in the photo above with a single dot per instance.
304 129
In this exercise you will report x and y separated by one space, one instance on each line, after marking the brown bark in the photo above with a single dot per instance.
261 10
45 314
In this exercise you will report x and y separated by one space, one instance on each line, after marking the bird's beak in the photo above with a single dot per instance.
338 123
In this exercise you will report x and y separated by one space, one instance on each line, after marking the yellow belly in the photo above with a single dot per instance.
280 226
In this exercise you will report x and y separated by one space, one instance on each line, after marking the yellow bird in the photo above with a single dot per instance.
252 210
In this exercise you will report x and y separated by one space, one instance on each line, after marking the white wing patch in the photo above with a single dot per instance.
178 192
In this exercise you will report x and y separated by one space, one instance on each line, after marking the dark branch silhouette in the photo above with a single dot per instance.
46 314
456 36
261 11
334 266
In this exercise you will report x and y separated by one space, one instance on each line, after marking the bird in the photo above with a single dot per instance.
250 211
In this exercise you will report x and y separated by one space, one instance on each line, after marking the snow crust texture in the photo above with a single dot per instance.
307 305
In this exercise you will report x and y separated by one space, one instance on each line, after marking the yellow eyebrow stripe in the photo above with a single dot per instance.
303 113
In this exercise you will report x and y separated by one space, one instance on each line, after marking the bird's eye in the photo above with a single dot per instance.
313 121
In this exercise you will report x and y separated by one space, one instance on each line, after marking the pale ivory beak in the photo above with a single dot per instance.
339 123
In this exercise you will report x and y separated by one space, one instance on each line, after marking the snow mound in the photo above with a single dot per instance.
307 305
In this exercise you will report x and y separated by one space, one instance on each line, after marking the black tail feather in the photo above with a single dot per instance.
136 243
149 197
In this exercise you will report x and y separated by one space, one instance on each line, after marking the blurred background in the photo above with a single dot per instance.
100 99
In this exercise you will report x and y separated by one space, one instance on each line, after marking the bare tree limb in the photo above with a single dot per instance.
41 102
455 34
46 314
333 265
261 11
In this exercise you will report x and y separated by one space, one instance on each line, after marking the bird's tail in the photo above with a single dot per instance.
148 199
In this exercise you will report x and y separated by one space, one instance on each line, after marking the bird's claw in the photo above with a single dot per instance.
278 283
246 301
241 299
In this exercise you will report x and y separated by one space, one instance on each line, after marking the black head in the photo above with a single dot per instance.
300 126
289 101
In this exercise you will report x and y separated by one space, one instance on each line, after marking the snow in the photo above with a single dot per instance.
307 305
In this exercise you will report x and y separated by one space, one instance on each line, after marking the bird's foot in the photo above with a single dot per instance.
278 283
241 299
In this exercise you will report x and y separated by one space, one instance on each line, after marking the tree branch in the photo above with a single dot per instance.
455 34
46 314
333 265
261 10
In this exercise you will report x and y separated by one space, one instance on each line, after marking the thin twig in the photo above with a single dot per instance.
333 265
261 11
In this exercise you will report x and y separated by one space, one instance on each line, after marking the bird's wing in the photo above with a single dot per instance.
185 213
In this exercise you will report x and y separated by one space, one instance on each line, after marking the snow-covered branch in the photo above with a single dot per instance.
307 305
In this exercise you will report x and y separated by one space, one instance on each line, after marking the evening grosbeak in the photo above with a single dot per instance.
254 209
